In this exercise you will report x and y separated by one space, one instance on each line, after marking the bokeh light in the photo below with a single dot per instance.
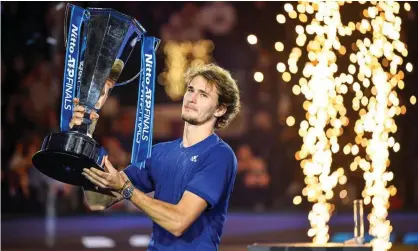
259 77
252 39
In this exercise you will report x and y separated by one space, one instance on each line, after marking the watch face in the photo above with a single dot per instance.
127 192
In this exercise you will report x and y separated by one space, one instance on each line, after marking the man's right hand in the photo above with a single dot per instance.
78 114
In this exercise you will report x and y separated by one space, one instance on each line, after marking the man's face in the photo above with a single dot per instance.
200 102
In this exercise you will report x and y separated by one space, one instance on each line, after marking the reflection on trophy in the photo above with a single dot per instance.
109 84
98 45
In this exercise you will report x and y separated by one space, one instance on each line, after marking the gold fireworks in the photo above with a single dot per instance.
373 75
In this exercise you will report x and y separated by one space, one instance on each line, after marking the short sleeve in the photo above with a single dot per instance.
215 175
141 177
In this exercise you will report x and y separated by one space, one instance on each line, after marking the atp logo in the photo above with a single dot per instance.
194 158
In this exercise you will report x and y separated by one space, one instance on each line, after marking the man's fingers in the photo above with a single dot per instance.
93 180
105 176
97 175
107 165
79 115
75 121
94 115
76 101
98 172
79 108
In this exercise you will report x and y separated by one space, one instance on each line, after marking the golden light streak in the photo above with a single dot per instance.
320 133
374 73
378 68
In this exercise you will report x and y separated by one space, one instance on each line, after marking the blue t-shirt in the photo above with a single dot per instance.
207 169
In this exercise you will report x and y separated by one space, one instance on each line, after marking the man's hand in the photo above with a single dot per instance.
78 114
100 198
110 179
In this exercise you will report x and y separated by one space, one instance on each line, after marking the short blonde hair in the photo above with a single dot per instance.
228 92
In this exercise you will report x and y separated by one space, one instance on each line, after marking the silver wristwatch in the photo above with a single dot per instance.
128 191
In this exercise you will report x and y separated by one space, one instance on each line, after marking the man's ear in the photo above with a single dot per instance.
220 111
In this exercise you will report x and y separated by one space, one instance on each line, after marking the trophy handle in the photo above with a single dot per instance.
67 10
129 80
157 43
132 44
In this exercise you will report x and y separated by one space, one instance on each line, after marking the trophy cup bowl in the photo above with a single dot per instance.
106 43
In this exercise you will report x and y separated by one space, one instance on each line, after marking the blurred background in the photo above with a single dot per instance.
258 42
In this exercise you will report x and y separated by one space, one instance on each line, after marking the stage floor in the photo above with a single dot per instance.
124 231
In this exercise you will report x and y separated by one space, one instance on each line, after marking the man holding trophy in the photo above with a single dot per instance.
192 177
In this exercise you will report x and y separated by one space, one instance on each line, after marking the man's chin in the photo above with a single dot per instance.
189 119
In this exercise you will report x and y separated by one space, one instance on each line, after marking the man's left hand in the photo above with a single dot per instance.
110 179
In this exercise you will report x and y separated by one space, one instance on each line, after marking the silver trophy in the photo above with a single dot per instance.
98 44
358 221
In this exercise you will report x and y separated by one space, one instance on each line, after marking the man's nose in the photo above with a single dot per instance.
193 98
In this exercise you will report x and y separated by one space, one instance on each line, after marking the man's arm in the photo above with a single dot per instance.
176 219
208 186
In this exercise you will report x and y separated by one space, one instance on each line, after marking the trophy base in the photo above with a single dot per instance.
64 155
